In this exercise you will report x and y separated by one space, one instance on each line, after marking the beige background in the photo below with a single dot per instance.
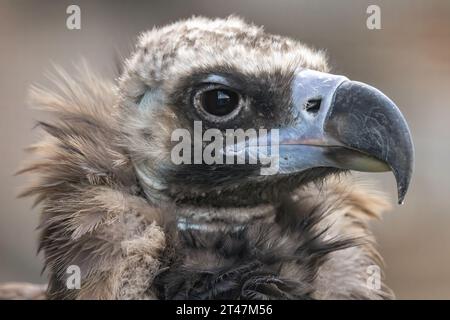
408 59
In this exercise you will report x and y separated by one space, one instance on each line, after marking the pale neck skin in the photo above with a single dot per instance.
211 218
204 217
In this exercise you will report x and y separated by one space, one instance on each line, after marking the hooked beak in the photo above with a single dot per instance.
348 125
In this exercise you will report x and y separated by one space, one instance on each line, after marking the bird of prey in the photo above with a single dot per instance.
139 226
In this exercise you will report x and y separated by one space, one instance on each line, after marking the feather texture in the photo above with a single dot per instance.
97 213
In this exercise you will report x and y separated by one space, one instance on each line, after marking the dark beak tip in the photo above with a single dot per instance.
402 165
363 118
403 178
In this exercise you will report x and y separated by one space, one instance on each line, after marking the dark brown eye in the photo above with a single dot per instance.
219 102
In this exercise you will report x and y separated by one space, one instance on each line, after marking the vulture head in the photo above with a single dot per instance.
139 223
227 75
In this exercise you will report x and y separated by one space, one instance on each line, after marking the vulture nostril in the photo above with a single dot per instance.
313 105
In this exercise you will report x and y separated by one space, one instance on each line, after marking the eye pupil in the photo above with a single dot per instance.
223 98
220 102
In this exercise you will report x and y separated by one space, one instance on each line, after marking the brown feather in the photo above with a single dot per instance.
95 213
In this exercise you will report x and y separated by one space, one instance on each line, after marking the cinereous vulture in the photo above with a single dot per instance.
139 226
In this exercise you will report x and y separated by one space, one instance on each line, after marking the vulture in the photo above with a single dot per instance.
140 225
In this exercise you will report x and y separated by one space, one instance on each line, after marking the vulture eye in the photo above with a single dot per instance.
220 102
217 102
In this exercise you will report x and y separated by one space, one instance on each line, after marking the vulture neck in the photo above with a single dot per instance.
206 217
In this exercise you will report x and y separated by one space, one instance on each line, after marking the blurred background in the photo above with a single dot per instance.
408 59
